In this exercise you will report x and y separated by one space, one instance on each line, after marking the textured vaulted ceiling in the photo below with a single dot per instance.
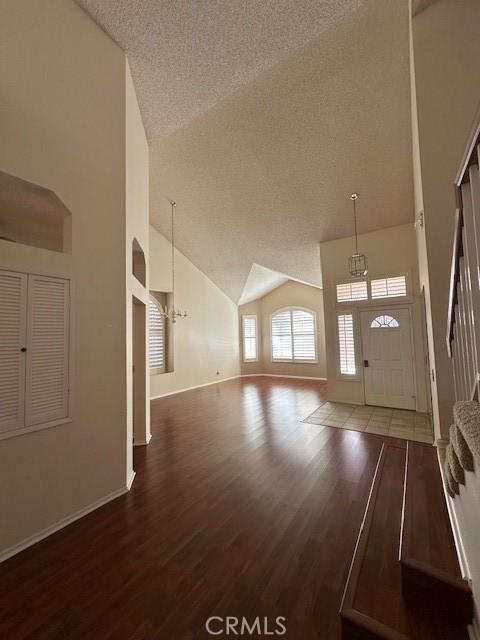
263 117
186 55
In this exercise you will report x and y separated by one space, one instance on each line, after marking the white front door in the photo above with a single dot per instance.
388 363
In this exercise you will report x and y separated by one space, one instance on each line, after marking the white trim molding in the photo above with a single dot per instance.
462 558
474 628
130 480
61 524
198 386
279 375
142 443
243 375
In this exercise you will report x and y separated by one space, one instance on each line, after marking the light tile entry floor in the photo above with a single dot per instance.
396 423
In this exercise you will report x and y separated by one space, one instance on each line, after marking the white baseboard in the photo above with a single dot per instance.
474 629
462 557
198 386
243 375
142 443
130 480
278 375
44 533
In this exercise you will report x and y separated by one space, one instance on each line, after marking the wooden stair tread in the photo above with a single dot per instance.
374 604
427 536
427 552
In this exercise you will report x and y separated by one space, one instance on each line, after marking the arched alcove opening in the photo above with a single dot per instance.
33 215
139 268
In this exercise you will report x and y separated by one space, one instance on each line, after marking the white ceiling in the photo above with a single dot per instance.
267 138
186 56
261 281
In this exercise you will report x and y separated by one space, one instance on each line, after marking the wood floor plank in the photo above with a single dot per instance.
238 508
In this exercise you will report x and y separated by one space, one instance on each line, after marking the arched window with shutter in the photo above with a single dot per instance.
293 335
156 337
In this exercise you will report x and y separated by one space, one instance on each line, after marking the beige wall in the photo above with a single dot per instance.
446 50
289 294
392 252
137 228
63 127
206 341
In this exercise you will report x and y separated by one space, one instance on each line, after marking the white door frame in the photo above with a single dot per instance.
382 309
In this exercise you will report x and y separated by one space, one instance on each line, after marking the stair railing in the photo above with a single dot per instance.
463 324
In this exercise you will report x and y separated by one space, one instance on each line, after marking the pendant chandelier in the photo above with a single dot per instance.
357 263
171 313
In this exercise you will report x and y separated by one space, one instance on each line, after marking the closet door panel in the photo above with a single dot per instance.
13 303
47 349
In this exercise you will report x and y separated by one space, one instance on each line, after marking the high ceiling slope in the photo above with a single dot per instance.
266 174
267 138
185 56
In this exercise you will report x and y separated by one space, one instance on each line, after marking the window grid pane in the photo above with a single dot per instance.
156 337
293 336
249 337
389 287
346 345
352 291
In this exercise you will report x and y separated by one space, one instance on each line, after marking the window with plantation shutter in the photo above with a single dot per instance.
34 351
249 328
352 291
389 287
346 344
294 335
156 337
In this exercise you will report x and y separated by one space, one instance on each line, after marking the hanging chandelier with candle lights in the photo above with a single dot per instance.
171 312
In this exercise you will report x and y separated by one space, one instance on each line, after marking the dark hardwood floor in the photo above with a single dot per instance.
238 509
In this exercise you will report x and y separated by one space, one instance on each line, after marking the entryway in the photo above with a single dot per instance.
388 358
381 421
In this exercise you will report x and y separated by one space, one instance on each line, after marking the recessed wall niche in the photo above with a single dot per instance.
33 215
161 334
139 267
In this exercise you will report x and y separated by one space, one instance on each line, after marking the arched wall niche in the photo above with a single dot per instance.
139 267
33 215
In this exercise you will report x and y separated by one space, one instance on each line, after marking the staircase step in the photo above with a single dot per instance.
427 553
374 605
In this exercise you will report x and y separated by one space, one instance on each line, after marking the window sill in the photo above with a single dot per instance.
250 361
295 361
36 427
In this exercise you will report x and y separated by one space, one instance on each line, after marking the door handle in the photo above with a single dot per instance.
365 363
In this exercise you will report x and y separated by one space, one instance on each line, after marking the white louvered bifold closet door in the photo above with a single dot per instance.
46 395
13 303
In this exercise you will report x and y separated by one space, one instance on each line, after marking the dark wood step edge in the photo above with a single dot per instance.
364 627
425 575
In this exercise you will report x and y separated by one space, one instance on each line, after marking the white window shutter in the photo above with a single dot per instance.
46 397
346 345
282 348
352 291
294 335
13 304
389 287
303 323
156 337
249 338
